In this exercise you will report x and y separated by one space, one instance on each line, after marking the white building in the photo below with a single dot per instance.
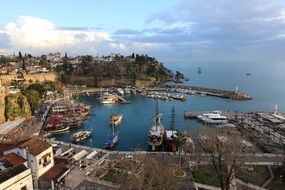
38 154
15 175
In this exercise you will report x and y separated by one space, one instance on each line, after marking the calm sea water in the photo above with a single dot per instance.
266 85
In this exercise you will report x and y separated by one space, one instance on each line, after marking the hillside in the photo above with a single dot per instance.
133 70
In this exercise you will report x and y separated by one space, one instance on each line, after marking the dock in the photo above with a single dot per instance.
123 100
236 95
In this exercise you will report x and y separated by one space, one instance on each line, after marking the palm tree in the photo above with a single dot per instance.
180 140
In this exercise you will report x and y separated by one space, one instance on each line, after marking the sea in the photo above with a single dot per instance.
265 84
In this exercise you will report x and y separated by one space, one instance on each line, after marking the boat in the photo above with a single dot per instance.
107 98
112 138
187 79
248 74
199 70
171 134
80 136
133 90
74 123
214 117
59 108
127 90
57 129
156 131
120 91
116 119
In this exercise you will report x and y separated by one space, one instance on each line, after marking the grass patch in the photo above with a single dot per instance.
206 175
253 174
115 177
125 165
277 182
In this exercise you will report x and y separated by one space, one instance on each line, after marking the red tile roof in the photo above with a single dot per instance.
15 159
10 145
54 173
35 146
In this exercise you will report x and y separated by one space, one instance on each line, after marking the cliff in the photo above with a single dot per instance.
16 106
2 104
139 71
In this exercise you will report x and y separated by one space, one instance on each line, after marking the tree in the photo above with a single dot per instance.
152 173
180 140
33 97
20 55
24 65
225 152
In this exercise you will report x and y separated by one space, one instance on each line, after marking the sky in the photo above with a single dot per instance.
171 30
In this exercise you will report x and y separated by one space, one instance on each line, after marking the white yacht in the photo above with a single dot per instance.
214 117
107 98
127 90
120 91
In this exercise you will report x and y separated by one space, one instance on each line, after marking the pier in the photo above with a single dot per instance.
123 100
235 95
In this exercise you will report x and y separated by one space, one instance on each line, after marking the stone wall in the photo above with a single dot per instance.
41 77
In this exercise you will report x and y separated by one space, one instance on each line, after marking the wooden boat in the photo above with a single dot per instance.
116 119
80 136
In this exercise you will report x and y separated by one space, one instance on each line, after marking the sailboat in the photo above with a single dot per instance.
156 131
171 134
112 138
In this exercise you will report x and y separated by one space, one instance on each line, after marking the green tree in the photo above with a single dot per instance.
34 98
180 140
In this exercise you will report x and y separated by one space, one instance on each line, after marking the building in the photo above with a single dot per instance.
46 173
14 173
39 155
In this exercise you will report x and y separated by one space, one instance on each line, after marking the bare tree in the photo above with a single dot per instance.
226 153
151 173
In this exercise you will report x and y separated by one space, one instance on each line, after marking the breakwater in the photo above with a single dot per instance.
236 95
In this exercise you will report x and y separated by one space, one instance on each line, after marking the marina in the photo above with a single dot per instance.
166 92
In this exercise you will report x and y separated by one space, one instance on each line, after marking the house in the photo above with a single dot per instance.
14 173
40 159
39 155
13 90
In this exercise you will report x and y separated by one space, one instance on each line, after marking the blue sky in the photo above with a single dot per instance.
182 30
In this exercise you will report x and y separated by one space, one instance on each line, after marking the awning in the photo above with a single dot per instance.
91 155
80 155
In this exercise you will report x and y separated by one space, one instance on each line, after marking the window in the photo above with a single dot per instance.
40 161
24 188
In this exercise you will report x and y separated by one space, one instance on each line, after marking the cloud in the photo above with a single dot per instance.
217 29
37 35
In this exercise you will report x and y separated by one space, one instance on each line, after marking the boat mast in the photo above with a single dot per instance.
156 115
172 126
